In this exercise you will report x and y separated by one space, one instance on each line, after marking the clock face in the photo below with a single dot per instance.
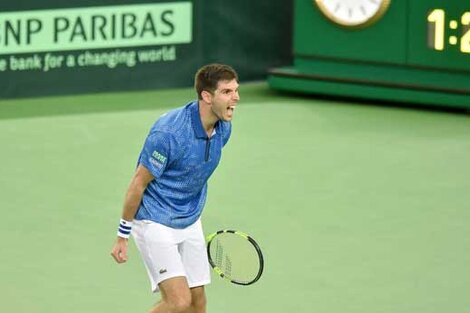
353 13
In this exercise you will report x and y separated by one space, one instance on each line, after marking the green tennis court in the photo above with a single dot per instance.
358 208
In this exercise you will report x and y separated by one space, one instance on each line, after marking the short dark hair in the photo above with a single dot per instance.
208 76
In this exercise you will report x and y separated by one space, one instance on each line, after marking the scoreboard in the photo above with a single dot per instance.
415 51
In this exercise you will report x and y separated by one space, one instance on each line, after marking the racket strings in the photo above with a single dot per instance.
219 253
236 257
228 266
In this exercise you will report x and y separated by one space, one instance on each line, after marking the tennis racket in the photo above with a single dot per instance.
235 256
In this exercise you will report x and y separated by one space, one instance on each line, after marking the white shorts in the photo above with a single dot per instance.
168 252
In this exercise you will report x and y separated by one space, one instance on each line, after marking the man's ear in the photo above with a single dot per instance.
206 96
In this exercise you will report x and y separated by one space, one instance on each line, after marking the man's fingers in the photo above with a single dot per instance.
123 255
119 256
115 257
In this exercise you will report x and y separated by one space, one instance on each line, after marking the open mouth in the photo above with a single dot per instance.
230 109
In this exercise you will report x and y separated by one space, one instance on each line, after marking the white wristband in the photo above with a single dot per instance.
125 228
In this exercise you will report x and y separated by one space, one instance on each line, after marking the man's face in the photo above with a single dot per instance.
225 99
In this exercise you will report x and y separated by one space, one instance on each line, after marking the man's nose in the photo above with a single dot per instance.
236 96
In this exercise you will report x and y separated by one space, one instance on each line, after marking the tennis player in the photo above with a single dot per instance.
167 193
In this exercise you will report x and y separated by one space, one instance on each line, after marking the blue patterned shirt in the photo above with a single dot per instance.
181 157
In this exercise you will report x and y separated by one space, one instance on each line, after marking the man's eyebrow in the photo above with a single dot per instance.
228 88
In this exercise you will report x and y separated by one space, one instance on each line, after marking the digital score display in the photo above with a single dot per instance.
439 34
438 22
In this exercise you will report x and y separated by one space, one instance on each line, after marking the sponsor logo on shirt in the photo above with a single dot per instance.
155 163
159 157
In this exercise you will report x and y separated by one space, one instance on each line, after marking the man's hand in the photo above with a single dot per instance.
119 251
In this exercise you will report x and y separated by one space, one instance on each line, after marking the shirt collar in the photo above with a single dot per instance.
196 121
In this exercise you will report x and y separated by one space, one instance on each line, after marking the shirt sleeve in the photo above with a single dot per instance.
156 152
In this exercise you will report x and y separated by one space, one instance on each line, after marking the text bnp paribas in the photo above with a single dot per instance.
96 27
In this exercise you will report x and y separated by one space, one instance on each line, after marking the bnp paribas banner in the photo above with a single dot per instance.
94 48
63 47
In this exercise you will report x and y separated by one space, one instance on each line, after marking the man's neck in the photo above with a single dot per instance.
208 119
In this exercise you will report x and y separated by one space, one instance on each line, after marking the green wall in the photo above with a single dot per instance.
391 59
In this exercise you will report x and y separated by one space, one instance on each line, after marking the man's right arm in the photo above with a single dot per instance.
142 177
